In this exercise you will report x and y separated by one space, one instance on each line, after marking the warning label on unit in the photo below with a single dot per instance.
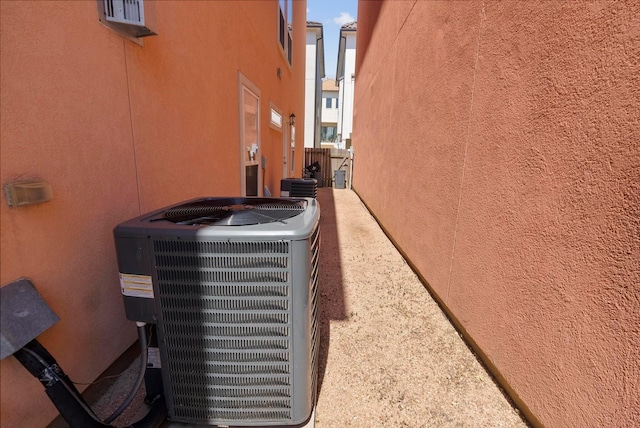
136 285
153 357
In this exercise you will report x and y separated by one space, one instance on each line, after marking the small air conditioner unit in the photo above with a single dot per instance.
124 11
299 187
129 16
231 285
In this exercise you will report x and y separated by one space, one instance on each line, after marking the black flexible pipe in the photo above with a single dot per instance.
142 336
67 399
37 360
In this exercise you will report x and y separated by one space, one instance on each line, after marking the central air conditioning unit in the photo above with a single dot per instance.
231 285
299 187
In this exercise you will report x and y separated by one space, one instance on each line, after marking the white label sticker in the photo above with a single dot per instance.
153 357
136 285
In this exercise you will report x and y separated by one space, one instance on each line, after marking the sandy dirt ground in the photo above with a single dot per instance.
389 357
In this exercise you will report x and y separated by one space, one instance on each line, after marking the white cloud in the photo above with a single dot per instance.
344 18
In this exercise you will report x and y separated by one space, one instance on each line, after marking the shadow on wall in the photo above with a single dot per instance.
332 304
367 20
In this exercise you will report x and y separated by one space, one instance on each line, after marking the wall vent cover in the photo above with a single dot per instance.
124 11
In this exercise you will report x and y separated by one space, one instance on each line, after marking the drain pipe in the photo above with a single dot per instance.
24 315
142 336
351 168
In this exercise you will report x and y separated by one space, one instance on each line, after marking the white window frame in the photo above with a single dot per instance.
245 84
275 119
285 37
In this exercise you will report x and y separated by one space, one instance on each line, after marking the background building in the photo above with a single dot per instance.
120 127
330 108
497 144
313 84
345 76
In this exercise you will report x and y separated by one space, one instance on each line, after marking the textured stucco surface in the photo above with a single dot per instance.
506 166
118 129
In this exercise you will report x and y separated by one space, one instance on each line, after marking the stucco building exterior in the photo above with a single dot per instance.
118 128
497 144
313 83
345 77
330 108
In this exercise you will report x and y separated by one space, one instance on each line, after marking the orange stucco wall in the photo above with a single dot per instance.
119 129
497 143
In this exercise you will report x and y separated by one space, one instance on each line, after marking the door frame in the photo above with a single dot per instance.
245 84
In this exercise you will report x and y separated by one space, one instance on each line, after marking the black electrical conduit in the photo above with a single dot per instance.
142 338
67 399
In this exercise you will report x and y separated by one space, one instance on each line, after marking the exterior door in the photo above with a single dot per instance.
288 151
251 179
285 152
291 151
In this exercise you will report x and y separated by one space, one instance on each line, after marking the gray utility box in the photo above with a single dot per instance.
234 298
340 179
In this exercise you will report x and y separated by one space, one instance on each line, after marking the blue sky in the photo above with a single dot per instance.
332 14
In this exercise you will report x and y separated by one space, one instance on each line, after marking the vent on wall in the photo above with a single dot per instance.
131 18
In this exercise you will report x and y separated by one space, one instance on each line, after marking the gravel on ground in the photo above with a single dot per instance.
389 356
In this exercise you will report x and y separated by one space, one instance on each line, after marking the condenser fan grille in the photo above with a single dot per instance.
227 328
234 211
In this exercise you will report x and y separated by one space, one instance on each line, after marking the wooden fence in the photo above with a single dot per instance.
329 160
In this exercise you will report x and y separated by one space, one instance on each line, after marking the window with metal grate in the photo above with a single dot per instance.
131 18
124 11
